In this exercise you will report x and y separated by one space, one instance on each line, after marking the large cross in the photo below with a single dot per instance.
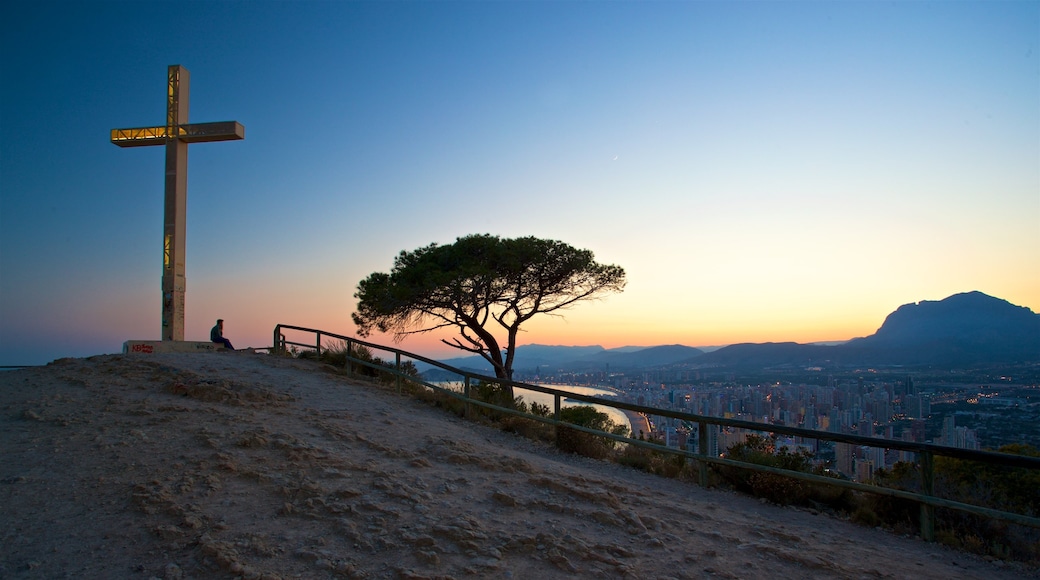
176 134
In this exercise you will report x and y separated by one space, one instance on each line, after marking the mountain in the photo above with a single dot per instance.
537 358
963 330
959 331
968 328
770 354
647 357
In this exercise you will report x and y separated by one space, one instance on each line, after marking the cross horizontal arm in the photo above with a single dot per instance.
139 137
190 133
219 131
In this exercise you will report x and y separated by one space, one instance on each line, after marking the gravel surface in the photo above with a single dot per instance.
223 465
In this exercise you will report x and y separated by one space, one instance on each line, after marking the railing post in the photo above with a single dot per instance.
556 417
928 489
317 344
702 450
346 360
465 390
276 345
397 365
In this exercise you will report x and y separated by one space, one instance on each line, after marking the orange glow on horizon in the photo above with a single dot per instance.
430 344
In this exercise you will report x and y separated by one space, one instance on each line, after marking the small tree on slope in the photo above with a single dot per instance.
480 284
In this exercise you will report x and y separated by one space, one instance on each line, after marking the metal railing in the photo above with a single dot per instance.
926 452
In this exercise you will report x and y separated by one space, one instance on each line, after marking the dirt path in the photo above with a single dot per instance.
236 465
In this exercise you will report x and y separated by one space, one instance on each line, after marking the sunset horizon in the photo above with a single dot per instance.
763 172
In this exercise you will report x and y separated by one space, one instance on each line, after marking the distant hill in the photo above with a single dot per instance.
960 331
647 357
541 359
967 328
770 354
532 356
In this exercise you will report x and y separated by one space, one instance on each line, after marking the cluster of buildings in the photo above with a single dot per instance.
884 410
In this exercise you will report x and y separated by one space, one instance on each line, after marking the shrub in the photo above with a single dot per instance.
496 394
529 428
435 398
896 512
866 516
651 461
587 444
493 393
985 484
540 409
777 488
334 353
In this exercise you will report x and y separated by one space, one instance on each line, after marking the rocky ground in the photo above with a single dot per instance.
218 465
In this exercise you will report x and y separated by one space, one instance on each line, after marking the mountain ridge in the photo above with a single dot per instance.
968 328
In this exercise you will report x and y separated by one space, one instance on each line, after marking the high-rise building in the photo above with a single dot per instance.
949 431
835 420
864 470
866 428
843 458
912 404
713 440
907 456
918 430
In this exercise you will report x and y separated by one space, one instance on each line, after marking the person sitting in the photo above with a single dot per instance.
217 335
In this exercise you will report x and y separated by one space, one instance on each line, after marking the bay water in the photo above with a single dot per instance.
616 415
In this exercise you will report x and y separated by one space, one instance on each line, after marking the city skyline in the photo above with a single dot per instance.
763 172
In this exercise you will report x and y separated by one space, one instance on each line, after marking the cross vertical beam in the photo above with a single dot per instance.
176 135
175 205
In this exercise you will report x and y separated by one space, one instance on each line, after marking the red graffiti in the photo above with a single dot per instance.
145 348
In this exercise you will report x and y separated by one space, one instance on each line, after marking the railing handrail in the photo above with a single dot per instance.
926 450
1008 459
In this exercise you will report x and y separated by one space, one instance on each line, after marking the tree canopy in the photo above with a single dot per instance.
481 284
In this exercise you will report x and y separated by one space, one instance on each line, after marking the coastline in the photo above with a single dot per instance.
639 423
636 421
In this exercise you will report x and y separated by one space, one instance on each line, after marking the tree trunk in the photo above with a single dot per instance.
506 375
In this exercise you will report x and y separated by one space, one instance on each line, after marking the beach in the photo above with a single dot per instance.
639 422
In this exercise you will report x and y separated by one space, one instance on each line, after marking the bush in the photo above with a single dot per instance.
540 410
338 357
985 484
656 462
587 444
334 353
896 512
866 516
436 398
529 428
774 487
496 394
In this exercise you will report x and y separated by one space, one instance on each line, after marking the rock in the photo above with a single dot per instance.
173 572
168 532
504 499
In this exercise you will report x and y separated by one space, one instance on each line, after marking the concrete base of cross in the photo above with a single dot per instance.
161 346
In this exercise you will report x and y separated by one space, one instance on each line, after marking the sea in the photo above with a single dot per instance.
616 415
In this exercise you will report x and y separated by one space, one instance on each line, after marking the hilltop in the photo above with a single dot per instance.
242 465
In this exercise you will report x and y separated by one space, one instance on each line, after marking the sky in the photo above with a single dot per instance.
763 171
